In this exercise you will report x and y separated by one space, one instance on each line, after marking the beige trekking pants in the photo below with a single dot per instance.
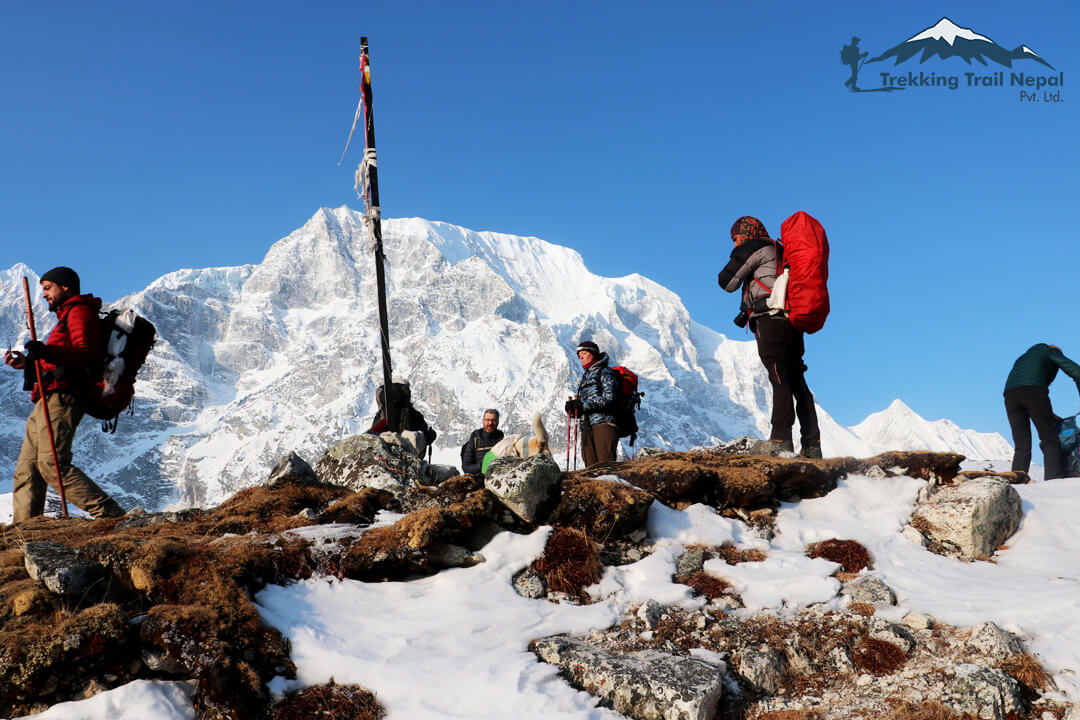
35 465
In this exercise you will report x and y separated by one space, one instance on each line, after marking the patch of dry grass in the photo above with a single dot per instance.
569 563
849 554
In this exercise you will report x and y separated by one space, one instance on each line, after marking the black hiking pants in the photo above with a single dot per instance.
781 348
1031 404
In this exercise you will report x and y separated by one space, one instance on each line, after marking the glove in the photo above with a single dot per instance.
35 350
573 407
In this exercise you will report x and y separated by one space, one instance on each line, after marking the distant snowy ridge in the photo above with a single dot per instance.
255 361
946 39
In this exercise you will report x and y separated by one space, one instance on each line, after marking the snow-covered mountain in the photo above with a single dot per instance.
255 361
947 39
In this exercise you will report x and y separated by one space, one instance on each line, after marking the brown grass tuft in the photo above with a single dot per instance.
878 657
733 555
706 585
930 710
334 702
569 563
1027 670
790 715
861 608
851 556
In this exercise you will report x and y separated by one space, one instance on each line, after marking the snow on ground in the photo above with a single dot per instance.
455 644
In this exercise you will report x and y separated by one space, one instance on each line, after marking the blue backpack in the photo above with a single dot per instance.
1069 437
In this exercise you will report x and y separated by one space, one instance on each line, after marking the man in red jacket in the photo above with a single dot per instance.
73 346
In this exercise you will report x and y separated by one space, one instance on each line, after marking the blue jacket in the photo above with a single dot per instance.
597 392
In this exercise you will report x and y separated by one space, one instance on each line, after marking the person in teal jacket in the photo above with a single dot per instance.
1027 400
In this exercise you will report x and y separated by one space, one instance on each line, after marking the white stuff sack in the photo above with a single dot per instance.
779 291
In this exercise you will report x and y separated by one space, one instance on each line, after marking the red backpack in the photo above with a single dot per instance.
806 254
126 339
627 401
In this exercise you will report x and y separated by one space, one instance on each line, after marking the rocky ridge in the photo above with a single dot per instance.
92 605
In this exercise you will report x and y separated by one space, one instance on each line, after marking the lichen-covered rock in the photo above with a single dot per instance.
646 685
972 518
994 641
898 635
987 693
369 461
869 589
762 667
529 584
527 486
64 570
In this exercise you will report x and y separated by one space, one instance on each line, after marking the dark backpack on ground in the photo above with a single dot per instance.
1069 437
126 339
627 401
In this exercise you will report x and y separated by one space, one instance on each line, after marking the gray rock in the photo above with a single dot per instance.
63 570
435 474
869 589
650 613
528 487
915 536
898 635
448 555
987 692
762 667
691 561
369 461
839 661
646 685
994 641
747 445
291 470
797 659
919 621
529 584
975 517
157 661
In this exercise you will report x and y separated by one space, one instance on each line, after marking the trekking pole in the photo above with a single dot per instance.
575 443
44 398
569 415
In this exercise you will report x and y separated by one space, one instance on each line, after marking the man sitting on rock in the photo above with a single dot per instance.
481 440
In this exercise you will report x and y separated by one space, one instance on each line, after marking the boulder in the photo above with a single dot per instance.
971 519
64 571
527 486
291 470
370 461
646 685
886 631
987 693
762 667
994 641
869 589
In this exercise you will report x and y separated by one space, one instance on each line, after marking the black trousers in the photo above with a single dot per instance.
1031 404
781 348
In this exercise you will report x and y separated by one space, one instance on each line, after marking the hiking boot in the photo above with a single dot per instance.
811 451
783 445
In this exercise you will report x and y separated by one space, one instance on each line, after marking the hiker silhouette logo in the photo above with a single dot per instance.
945 43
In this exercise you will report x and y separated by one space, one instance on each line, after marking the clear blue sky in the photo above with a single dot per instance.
142 137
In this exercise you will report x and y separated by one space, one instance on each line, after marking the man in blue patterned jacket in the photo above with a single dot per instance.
595 406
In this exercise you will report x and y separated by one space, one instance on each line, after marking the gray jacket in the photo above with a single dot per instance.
597 393
752 265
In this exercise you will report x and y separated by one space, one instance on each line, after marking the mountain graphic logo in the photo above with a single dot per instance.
945 39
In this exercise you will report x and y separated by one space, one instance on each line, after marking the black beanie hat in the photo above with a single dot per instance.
590 346
63 276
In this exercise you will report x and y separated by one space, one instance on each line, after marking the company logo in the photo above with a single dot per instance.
945 41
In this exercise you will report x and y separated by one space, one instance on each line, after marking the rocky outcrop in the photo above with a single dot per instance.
603 509
645 685
970 519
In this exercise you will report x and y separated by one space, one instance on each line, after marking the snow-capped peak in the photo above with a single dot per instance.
948 31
